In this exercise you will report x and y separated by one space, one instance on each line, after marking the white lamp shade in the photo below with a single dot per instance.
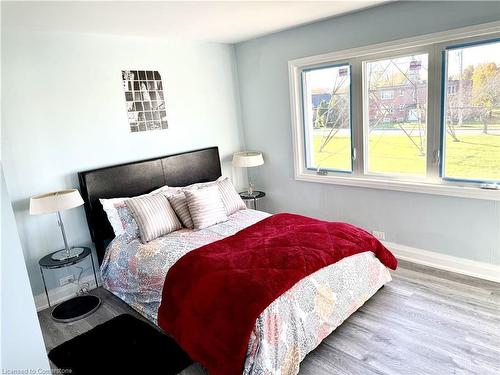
55 201
247 159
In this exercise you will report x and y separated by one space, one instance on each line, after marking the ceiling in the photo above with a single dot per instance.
211 21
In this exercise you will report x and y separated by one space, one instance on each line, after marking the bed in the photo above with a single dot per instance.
289 328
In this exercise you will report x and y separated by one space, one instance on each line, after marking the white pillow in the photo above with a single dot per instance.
231 199
112 205
206 206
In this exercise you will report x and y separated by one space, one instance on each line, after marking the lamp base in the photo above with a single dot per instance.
76 308
63 254
251 194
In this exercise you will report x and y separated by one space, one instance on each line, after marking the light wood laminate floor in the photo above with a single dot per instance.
425 321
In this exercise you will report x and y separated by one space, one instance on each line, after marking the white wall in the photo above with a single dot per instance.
64 112
458 227
22 344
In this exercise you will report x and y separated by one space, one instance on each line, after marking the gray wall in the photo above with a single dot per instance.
22 343
460 227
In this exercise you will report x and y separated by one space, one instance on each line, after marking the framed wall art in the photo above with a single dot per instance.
145 100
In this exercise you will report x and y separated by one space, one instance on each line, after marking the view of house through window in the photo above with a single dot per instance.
396 115
327 117
423 113
472 113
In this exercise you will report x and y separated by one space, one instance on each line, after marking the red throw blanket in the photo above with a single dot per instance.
213 295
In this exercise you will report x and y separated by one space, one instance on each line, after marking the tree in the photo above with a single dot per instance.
486 90
321 111
468 72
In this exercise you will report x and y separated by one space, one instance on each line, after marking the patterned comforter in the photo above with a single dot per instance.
292 326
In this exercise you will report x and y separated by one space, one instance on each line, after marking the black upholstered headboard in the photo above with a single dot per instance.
141 177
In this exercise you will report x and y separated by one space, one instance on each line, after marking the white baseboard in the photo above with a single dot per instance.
62 293
445 262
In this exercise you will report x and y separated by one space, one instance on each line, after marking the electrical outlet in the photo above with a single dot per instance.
66 280
379 235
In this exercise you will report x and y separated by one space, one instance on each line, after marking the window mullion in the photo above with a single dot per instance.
357 116
434 112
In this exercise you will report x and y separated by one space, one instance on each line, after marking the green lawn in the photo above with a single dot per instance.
475 156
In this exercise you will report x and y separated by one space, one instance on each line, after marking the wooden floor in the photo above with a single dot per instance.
425 321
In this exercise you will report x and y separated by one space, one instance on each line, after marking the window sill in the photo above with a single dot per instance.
407 186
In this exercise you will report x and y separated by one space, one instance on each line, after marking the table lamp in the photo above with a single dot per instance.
247 159
58 201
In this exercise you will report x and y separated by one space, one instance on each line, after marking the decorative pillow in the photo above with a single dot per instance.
166 190
154 216
206 206
197 185
231 199
120 217
180 206
130 228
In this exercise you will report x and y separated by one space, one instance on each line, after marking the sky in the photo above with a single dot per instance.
326 78
473 55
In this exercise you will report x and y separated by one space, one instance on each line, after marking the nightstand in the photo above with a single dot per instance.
254 197
77 307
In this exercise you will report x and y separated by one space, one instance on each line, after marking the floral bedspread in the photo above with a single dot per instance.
292 326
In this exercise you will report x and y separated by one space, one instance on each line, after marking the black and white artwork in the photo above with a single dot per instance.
145 101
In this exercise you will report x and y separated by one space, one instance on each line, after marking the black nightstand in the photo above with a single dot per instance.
77 307
253 197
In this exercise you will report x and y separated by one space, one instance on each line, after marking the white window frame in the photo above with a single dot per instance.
433 44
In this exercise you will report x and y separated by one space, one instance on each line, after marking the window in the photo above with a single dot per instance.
386 94
327 118
393 146
419 114
471 145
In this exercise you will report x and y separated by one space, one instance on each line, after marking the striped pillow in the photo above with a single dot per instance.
206 206
180 206
231 199
154 216
112 207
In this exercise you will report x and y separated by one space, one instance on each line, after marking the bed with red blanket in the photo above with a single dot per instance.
213 296
251 295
